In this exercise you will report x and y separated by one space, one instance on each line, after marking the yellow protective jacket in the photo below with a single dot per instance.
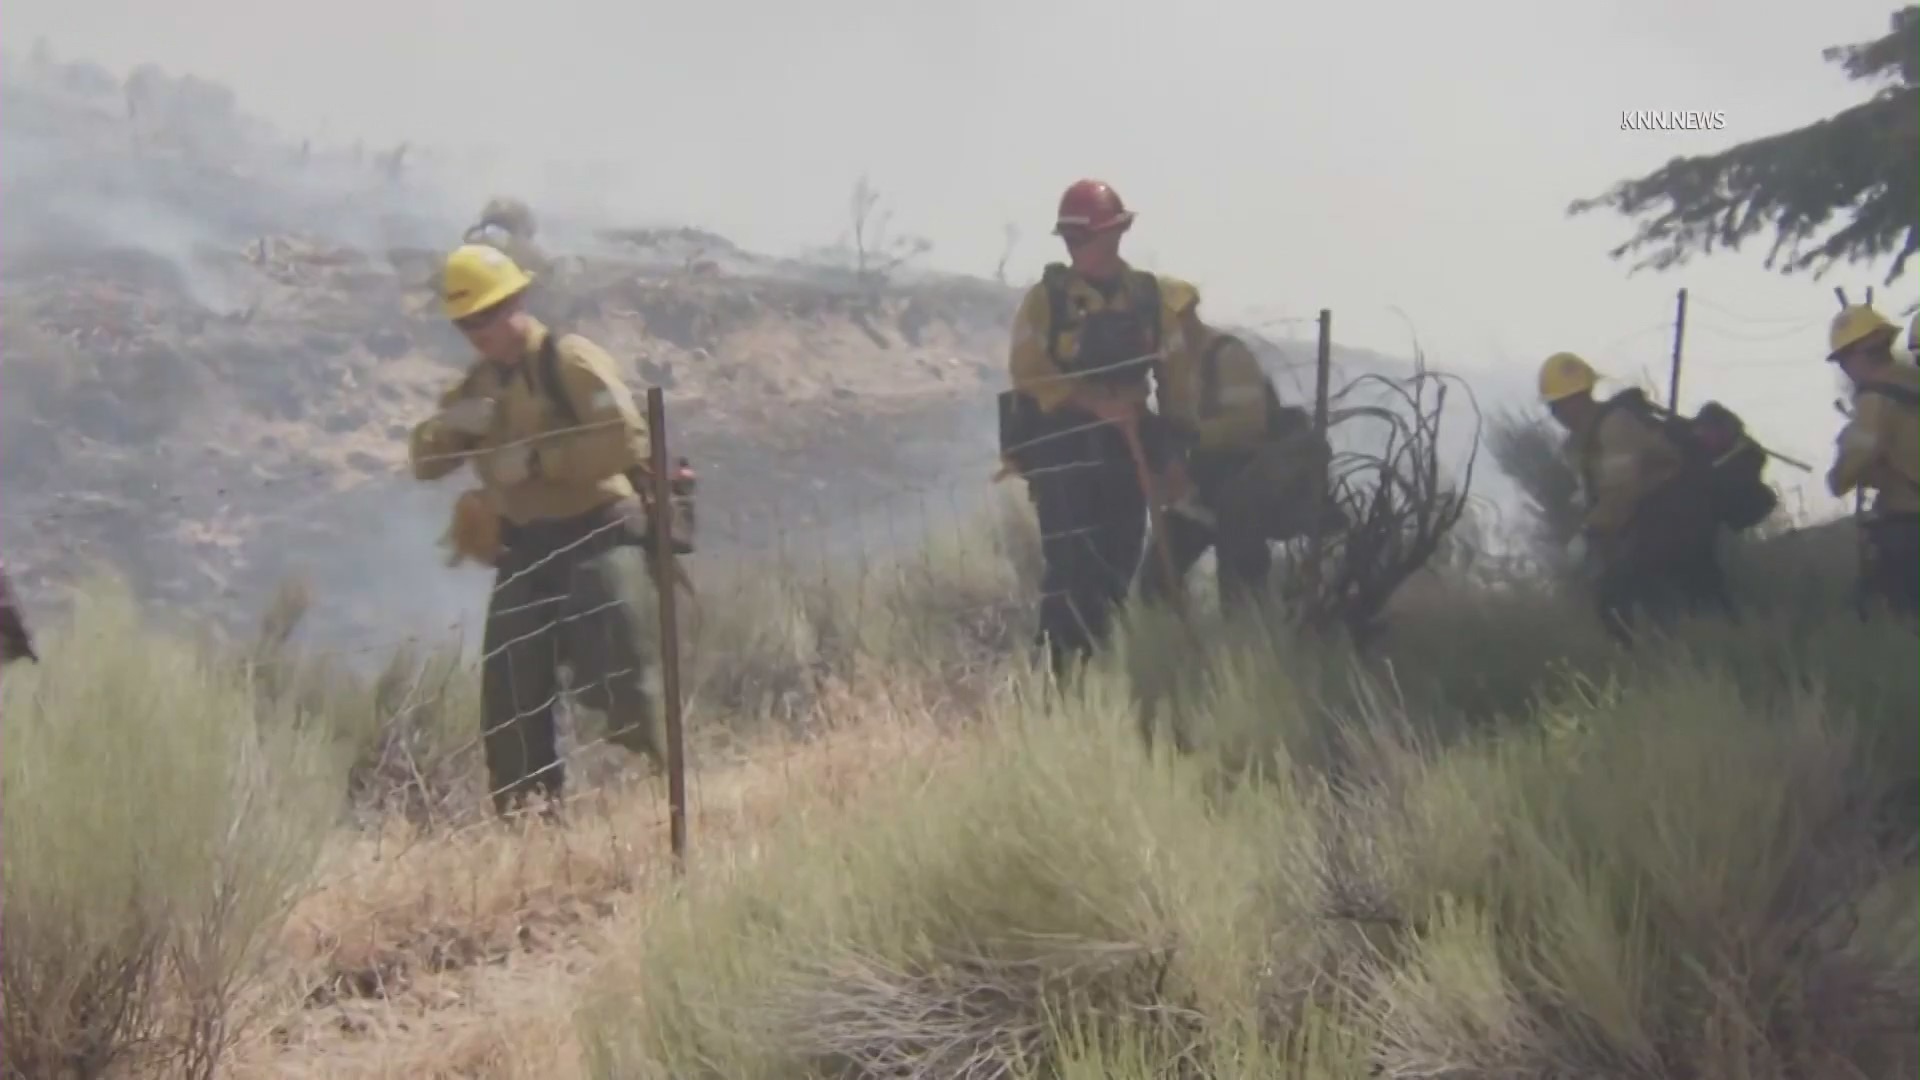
1046 343
1216 391
1879 449
576 468
1623 459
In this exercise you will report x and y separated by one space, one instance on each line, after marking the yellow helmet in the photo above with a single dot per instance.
1563 375
1857 323
478 276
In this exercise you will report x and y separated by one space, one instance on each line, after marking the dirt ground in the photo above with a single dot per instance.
463 953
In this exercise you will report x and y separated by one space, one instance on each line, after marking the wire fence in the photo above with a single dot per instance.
923 589
922 592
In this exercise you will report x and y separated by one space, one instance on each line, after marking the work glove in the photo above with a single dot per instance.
1195 511
468 416
511 465
1577 550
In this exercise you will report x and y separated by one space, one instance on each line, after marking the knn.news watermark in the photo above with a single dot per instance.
1673 119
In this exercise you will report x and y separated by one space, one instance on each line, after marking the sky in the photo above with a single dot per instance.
1392 162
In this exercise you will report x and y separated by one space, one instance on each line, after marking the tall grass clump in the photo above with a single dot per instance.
761 641
1051 874
1689 859
410 728
157 820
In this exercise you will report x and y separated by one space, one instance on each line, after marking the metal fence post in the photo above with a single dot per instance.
663 576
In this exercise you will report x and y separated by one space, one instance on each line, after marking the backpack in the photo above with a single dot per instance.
1714 444
1111 342
547 364
1280 421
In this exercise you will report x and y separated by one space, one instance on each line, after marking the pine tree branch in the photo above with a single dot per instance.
1856 174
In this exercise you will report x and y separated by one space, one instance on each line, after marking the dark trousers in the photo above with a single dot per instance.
1092 529
1682 579
554 605
1242 558
1890 570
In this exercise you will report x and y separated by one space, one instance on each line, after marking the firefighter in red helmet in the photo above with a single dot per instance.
1085 341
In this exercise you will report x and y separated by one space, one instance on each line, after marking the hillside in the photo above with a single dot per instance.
211 368
1483 840
215 338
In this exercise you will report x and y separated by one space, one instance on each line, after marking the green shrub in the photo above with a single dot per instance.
1678 861
410 727
155 828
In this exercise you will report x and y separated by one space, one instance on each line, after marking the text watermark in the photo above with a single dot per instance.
1672 119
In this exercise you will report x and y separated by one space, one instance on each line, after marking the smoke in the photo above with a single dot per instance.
390 582
155 188
162 188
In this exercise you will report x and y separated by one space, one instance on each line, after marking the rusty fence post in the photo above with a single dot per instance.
1323 374
663 577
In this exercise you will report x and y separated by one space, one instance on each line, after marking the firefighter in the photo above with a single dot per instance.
514 221
1250 461
1085 340
1879 450
568 570
1649 529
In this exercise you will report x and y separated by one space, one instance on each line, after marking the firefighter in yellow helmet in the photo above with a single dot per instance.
554 437
1649 525
1879 450
1085 340
1250 459
507 223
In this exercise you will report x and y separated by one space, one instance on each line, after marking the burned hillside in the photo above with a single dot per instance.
210 398
217 335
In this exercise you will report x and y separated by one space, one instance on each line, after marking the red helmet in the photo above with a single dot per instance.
1093 206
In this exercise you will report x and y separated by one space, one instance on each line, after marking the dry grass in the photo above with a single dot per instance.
1498 847
1684 868
158 820
462 954
425 937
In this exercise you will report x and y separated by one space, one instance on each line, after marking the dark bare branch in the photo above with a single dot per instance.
1397 505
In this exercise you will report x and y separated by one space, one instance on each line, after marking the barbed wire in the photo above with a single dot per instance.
1282 368
319 472
1777 335
785 535
855 564
829 545
1708 302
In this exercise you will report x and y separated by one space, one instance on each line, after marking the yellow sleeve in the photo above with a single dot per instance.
610 437
434 450
1861 442
1183 338
1238 418
1178 299
1029 364
1629 462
